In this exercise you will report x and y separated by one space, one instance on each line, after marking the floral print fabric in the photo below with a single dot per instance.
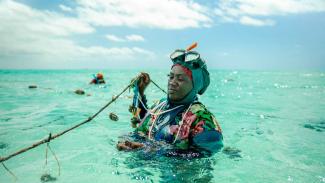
184 127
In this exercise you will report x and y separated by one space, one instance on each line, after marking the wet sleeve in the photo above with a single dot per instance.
206 133
208 140
199 130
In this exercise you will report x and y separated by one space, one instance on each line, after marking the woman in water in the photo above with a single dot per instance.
179 120
98 79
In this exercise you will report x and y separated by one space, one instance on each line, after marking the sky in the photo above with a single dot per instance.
128 34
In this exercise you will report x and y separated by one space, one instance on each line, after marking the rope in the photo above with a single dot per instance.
46 152
157 114
57 161
158 86
3 159
10 172
153 123
134 108
181 123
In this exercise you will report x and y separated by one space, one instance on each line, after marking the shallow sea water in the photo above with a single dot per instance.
273 122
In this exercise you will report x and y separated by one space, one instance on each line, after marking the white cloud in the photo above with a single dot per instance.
114 38
255 22
249 12
283 7
163 14
65 8
134 37
45 35
18 16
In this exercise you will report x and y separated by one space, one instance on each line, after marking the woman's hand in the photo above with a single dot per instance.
144 80
128 145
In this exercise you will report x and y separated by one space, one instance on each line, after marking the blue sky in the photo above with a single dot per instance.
110 34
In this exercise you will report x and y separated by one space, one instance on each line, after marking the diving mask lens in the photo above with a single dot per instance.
191 56
176 54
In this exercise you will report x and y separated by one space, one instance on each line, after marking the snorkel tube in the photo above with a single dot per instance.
192 46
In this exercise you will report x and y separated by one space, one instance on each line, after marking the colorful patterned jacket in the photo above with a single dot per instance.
186 127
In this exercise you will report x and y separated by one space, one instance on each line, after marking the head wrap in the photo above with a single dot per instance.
200 80
187 71
99 76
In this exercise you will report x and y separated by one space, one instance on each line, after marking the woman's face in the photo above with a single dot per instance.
179 84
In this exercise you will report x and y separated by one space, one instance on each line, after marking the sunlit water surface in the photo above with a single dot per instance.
273 122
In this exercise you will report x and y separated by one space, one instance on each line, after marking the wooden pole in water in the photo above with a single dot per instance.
51 137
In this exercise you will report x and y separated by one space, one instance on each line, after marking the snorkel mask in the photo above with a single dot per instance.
192 60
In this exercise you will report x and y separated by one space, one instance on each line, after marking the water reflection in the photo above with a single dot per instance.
157 162
155 167
318 126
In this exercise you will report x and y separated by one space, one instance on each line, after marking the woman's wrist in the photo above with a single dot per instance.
142 94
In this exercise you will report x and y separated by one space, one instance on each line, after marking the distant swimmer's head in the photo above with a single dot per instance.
100 76
187 63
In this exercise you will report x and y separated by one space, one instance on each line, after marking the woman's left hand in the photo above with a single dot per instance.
144 81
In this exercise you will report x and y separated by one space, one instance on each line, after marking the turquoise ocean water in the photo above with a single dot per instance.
275 121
